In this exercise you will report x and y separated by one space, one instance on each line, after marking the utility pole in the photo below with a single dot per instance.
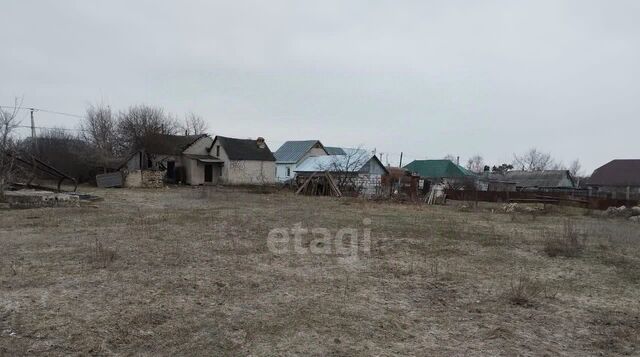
400 158
33 132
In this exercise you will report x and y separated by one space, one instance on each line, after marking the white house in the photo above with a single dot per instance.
242 161
202 160
292 153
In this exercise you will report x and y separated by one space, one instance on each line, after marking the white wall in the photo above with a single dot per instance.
250 172
282 171
200 147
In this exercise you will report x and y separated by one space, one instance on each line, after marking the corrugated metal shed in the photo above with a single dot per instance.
113 179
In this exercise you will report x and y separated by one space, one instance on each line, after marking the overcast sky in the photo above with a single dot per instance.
421 77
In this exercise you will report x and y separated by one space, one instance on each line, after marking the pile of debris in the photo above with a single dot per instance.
632 213
39 199
514 207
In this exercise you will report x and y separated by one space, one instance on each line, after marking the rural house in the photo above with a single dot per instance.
618 178
183 158
446 172
292 153
355 170
547 180
242 161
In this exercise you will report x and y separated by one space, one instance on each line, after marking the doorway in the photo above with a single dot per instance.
171 171
208 173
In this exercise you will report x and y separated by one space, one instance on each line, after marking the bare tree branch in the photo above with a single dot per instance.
533 160
140 121
8 123
194 125
475 164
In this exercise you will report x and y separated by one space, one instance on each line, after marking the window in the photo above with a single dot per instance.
218 151
288 171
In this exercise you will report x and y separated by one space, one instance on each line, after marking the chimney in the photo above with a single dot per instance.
458 160
260 142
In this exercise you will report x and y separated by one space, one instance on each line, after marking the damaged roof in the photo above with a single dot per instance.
617 173
169 144
244 149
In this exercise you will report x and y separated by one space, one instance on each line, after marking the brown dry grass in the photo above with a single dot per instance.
187 271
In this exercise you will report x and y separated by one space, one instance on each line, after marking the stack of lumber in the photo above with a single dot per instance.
319 184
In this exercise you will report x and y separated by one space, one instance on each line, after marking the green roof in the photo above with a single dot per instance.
438 169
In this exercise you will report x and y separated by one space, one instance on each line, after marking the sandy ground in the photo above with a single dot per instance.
190 271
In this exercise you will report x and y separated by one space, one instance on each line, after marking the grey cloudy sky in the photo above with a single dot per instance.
423 77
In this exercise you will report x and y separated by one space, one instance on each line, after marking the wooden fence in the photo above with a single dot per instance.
560 198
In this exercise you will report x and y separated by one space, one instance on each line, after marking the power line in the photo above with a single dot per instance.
43 110
47 128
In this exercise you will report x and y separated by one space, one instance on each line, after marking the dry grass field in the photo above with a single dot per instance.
188 271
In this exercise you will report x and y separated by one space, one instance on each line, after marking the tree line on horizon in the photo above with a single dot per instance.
106 135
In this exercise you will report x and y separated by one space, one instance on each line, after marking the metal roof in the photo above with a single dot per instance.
348 163
292 151
617 173
332 150
438 169
546 179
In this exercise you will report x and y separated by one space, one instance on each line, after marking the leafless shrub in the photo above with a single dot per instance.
101 256
568 244
524 290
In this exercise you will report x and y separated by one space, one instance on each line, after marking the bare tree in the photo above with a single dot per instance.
575 168
99 129
533 160
8 124
194 125
346 169
450 158
475 164
140 121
